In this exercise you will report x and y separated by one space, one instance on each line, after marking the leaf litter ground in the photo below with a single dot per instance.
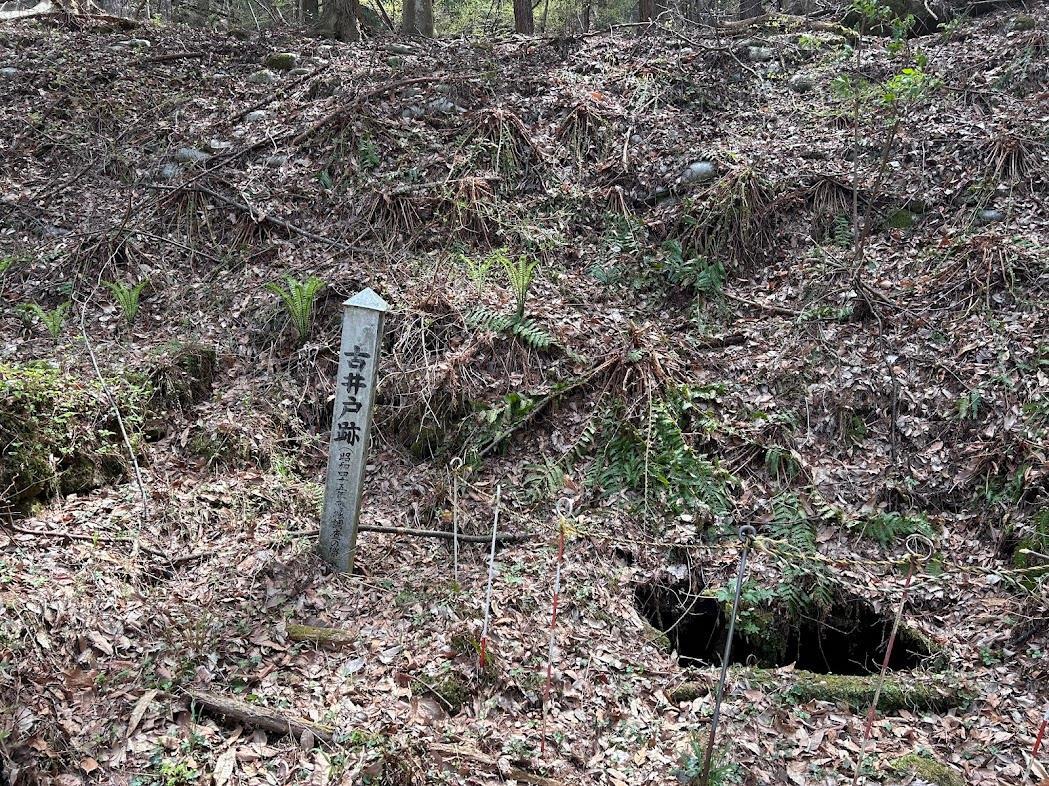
370 168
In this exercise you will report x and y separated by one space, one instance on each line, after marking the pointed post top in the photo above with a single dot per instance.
368 299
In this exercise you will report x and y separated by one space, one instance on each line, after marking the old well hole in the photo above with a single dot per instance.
849 637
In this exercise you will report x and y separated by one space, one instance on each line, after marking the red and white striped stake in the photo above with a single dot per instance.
919 549
488 592
1037 743
553 623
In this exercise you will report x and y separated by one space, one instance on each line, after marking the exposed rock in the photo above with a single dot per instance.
9 72
299 71
394 61
132 43
699 172
802 83
256 117
169 171
442 106
218 146
1020 23
401 49
281 61
277 160
760 54
321 88
263 77
189 155
989 216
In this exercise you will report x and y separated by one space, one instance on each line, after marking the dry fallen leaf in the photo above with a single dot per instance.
139 710
224 766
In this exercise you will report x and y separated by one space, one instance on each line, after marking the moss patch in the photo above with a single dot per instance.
58 433
922 693
451 690
929 769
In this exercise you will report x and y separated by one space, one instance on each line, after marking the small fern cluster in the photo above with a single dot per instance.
520 275
888 527
697 273
298 298
53 320
657 456
805 586
127 297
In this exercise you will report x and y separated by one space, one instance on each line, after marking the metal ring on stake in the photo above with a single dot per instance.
919 547
747 533
564 507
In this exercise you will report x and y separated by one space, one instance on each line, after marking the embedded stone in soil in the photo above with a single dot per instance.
849 638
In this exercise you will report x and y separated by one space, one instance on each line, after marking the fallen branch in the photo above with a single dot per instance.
514 773
790 312
543 403
322 637
284 90
256 717
435 533
176 56
263 218
375 92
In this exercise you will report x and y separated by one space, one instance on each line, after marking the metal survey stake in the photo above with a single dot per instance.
362 323
746 536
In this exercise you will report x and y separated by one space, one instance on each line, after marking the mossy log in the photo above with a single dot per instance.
256 717
921 693
332 638
688 691
928 769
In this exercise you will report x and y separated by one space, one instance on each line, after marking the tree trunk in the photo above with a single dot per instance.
748 9
342 19
646 10
523 20
417 18
310 11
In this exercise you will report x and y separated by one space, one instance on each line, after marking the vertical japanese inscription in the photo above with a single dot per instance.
362 324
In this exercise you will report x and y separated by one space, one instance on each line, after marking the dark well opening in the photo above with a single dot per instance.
849 638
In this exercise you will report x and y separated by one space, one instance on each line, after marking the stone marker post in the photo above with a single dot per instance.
362 322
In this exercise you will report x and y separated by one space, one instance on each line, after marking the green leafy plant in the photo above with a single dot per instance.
690 766
477 268
127 297
888 527
698 273
970 405
527 330
752 618
298 298
520 274
805 586
367 154
54 320
657 458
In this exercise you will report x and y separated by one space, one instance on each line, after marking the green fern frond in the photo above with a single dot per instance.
532 334
298 298
127 297
482 318
52 320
